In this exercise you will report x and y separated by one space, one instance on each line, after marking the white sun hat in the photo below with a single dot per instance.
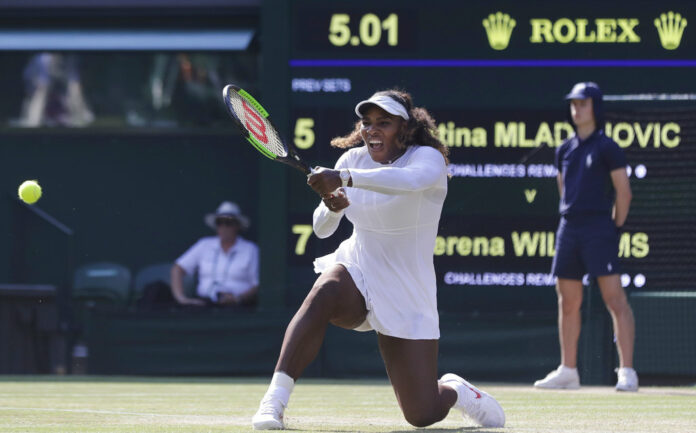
384 102
229 210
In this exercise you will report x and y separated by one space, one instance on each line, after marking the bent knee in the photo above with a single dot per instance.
333 301
322 298
420 420
323 292
422 417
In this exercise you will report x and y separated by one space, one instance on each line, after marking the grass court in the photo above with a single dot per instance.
133 404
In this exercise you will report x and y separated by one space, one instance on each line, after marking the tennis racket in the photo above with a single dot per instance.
255 125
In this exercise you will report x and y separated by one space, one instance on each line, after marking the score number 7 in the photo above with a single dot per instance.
304 230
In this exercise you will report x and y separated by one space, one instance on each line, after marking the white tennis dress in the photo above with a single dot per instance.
395 210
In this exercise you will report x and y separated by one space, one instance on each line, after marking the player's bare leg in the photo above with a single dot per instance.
412 369
335 299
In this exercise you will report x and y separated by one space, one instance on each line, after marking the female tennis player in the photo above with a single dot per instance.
382 278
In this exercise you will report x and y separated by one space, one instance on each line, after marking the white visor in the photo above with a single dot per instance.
385 103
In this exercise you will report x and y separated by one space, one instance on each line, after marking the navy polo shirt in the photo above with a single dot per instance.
586 166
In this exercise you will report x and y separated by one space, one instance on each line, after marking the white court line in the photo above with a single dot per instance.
110 412
176 418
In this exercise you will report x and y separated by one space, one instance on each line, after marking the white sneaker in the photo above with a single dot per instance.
561 378
474 403
627 379
269 416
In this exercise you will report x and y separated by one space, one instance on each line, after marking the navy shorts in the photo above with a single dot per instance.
587 245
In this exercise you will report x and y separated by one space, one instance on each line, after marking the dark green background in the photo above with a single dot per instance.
131 198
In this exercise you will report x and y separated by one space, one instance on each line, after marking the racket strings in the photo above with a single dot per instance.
260 129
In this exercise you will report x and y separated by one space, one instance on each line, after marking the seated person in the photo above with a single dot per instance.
227 264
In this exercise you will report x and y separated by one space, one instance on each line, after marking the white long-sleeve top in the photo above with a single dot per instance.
395 210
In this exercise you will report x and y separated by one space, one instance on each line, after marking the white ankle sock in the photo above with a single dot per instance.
281 387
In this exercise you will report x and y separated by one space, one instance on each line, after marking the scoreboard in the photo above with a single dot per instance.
493 75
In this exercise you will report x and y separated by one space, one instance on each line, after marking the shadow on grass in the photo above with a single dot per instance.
415 430
444 430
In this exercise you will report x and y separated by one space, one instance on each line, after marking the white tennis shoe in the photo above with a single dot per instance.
269 416
474 403
627 379
561 378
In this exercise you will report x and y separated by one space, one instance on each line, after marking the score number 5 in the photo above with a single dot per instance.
369 30
304 134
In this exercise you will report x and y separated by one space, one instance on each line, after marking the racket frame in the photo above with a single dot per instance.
292 159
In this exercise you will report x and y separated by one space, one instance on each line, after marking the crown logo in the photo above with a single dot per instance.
499 29
670 26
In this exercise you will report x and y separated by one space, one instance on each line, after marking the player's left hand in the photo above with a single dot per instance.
324 181
337 201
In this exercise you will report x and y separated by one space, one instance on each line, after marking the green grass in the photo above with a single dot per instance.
126 404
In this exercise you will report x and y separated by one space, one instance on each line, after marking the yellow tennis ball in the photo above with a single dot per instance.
29 191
